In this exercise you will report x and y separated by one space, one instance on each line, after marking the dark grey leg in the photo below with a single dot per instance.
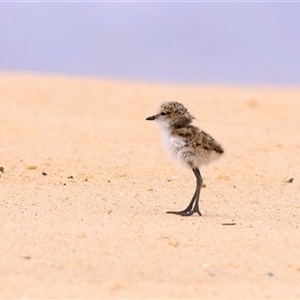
190 209
199 185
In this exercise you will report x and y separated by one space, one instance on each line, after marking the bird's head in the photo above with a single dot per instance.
172 114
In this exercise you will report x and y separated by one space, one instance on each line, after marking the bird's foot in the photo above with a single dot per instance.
185 213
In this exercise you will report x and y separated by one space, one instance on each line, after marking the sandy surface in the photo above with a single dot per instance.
86 185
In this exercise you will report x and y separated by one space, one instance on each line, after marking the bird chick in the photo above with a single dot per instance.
187 144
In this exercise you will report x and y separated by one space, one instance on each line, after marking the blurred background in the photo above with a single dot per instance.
207 43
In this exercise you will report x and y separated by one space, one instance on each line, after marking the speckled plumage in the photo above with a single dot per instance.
186 143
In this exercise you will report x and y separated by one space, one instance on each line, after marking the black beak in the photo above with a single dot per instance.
151 118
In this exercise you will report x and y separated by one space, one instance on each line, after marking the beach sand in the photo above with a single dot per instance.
86 184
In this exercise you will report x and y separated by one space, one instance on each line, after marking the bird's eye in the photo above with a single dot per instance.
163 113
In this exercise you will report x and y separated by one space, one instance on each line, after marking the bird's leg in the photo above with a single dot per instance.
198 190
190 209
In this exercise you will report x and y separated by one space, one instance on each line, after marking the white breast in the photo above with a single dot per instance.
172 144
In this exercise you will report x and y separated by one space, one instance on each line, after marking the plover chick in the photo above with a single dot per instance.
187 144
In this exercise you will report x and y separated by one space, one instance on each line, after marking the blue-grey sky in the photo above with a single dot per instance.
227 43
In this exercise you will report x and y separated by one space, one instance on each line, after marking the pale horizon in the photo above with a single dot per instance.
206 43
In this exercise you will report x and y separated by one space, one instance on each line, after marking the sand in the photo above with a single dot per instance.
86 185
